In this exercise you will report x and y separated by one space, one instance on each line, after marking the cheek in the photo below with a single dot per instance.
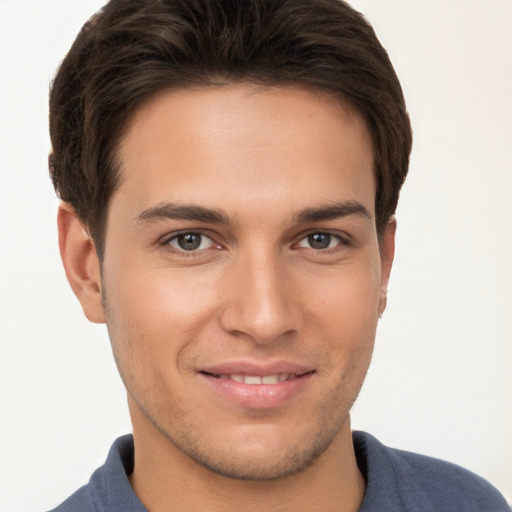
346 312
156 296
349 298
156 313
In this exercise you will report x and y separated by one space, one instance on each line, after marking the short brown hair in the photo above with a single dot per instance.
132 49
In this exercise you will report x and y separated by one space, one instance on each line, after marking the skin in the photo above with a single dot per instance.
271 162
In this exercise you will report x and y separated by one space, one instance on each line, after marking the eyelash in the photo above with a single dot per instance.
343 241
166 242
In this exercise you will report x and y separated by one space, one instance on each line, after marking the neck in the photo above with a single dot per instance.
165 478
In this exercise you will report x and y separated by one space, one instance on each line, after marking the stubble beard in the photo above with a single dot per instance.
238 465
237 462
234 462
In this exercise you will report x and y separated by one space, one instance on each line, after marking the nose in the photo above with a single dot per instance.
262 303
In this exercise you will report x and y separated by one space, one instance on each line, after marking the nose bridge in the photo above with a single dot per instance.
261 304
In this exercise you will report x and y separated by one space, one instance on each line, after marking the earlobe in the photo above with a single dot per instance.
81 263
387 254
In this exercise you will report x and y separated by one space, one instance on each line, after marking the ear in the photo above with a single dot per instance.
387 254
81 263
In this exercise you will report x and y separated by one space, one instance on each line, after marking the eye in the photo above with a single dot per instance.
191 241
320 241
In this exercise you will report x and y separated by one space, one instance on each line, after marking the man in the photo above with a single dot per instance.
229 177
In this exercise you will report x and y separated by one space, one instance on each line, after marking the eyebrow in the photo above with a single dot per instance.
182 212
332 212
216 216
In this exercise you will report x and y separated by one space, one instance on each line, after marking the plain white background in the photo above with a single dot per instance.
441 382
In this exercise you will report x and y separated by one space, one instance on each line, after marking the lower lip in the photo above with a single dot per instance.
257 396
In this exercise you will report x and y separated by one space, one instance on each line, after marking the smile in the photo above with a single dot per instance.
257 379
253 388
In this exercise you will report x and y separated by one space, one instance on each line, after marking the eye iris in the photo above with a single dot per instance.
319 240
189 241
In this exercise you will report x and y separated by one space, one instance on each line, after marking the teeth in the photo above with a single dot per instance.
256 379
252 379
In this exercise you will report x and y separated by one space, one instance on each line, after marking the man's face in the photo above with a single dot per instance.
242 277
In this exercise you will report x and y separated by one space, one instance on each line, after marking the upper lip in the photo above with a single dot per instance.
254 368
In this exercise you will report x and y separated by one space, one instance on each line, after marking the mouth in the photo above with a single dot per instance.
253 387
257 379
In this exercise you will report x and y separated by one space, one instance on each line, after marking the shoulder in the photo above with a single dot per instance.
109 489
81 501
445 484
423 483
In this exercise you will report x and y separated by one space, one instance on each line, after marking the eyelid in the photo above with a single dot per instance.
174 234
169 237
343 237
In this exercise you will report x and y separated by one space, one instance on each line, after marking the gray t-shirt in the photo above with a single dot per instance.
396 481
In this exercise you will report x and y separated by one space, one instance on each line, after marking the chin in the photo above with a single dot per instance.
261 454
264 467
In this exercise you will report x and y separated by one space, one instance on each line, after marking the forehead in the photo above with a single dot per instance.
245 145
